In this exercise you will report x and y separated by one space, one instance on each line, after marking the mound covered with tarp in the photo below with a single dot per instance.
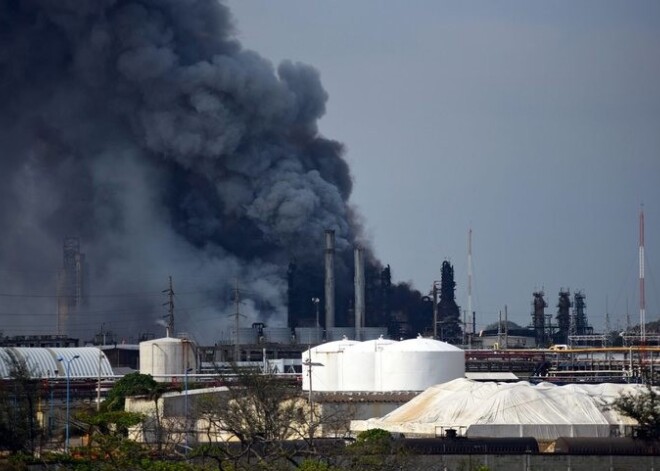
545 411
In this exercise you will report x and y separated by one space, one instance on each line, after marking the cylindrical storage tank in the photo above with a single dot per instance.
370 333
309 335
246 336
339 333
416 364
277 334
359 364
167 359
326 360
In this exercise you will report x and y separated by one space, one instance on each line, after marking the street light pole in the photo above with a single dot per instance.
185 404
309 363
68 397
98 384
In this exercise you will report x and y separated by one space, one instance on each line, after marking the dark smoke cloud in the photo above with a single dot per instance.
144 129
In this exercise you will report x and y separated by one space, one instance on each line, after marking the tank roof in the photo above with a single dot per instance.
164 340
334 346
369 345
422 344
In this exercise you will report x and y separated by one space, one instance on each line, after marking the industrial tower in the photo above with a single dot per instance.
71 284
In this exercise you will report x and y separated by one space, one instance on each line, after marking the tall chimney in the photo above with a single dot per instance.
359 292
329 279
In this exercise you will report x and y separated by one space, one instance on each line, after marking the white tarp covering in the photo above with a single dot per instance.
544 411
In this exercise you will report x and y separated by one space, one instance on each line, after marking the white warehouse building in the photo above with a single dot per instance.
44 363
381 365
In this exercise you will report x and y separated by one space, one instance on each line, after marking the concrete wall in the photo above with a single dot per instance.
341 413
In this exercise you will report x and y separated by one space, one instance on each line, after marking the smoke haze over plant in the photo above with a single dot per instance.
147 131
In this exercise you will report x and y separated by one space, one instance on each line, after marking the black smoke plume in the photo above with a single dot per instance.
144 129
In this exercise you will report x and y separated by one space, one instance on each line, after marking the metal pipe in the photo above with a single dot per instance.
68 398
185 405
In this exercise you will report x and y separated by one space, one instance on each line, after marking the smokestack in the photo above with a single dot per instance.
359 292
329 279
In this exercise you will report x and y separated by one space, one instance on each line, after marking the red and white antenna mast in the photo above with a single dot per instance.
642 299
469 273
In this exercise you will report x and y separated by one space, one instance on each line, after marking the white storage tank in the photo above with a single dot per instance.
277 334
167 359
360 363
416 364
327 374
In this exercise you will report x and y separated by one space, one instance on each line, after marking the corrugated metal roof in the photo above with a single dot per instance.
5 362
84 362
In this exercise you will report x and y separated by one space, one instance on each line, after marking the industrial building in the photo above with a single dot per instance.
50 363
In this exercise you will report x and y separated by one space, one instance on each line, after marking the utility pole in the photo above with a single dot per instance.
469 273
309 364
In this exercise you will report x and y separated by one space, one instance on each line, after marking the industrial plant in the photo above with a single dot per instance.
362 359
173 212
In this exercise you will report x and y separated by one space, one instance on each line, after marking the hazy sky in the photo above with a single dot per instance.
537 124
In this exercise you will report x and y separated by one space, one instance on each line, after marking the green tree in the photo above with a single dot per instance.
375 449
644 407
137 384
19 429
107 432
316 465
133 384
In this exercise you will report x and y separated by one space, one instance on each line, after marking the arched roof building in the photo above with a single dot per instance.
84 362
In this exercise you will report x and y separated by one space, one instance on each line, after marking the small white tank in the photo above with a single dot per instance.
326 366
167 359
416 364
